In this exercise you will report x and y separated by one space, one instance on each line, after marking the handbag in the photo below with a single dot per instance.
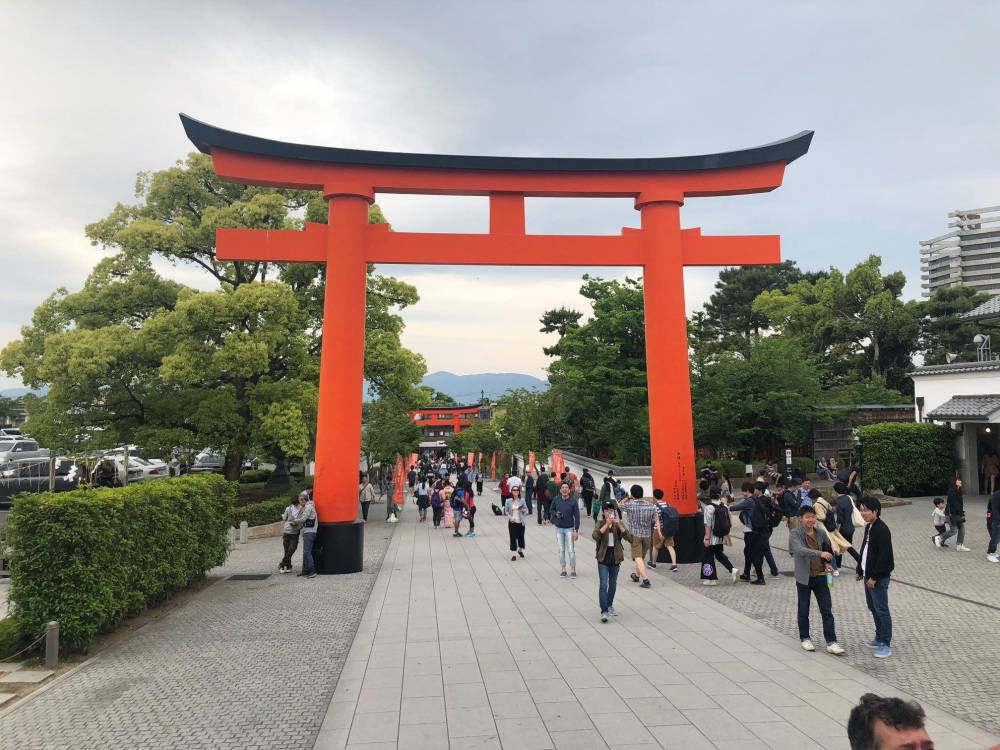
857 520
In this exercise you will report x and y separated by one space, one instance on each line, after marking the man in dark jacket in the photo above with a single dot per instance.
587 491
529 490
874 568
845 515
993 526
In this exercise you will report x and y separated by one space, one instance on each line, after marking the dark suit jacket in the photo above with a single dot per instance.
878 540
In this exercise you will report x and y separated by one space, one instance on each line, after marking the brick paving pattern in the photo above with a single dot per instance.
243 664
947 651
461 648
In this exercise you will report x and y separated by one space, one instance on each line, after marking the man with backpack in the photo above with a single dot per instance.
717 528
664 537
587 491
753 516
641 517
773 513
788 497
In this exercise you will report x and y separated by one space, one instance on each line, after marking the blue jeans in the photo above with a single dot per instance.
994 530
878 603
567 547
308 540
956 528
608 586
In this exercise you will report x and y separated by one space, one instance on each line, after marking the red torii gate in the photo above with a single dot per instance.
349 180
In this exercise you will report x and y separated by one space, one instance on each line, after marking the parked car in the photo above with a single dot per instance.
207 463
14 432
140 470
32 475
12 448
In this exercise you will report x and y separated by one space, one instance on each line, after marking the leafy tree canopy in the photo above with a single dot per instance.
943 331
133 357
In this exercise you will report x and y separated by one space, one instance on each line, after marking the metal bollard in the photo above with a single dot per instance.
51 645
243 532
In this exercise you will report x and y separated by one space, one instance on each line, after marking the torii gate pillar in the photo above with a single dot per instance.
349 180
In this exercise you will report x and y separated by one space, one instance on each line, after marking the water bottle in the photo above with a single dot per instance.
829 579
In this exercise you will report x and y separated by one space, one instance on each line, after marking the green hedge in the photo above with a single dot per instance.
907 459
732 468
11 638
255 476
804 464
92 557
260 513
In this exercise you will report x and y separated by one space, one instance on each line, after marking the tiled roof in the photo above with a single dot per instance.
967 407
986 311
991 364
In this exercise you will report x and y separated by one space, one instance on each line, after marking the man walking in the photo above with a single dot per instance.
641 518
813 558
669 523
565 514
587 491
845 515
753 517
874 568
789 499
993 526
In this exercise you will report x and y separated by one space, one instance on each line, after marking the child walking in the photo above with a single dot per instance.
940 520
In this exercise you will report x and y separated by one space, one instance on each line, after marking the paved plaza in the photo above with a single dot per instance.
458 647
461 648
242 664
945 606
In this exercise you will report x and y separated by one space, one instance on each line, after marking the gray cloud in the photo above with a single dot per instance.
899 93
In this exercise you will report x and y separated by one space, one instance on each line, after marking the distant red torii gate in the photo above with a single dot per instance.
349 180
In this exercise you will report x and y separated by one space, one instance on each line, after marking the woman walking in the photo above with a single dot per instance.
366 496
609 533
423 493
565 515
290 533
516 509
955 510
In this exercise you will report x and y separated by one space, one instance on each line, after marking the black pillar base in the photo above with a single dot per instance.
340 548
688 541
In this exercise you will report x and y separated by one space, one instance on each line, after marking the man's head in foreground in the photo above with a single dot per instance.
878 723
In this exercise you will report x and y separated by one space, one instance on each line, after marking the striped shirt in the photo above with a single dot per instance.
639 517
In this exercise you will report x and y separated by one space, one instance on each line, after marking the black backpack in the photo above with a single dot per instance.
760 514
721 523
670 519
789 503
774 512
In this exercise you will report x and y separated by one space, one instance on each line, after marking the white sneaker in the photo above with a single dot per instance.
993 558
707 582
807 645
734 575
963 548
835 648
937 540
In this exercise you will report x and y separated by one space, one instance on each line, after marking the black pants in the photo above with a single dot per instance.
516 533
587 496
817 587
479 488
753 554
714 551
765 547
364 508
291 543
472 519
543 509
438 513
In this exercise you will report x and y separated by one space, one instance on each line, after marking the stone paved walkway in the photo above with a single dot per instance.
947 651
242 664
461 648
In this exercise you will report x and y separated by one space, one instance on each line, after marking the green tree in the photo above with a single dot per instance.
522 421
857 323
134 357
430 397
730 319
598 376
944 331
479 437
389 431
754 405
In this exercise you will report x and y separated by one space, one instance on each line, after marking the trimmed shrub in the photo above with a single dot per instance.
907 458
260 513
804 464
732 468
90 558
12 639
255 476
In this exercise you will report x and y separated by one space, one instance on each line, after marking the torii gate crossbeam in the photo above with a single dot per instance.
349 180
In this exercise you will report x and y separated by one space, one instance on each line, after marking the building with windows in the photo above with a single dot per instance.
969 254
438 422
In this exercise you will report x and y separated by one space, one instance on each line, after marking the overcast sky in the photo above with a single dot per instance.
902 96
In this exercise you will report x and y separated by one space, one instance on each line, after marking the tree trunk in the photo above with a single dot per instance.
280 475
233 466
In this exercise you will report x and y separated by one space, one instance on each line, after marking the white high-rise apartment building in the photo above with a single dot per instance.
969 254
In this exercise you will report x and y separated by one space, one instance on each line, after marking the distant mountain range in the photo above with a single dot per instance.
18 392
466 389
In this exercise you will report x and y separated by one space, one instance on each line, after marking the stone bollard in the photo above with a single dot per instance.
232 535
243 532
51 645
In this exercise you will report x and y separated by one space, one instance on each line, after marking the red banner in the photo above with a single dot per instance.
558 462
531 462
399 481
493 466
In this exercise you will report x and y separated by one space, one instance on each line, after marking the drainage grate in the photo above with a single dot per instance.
250 577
